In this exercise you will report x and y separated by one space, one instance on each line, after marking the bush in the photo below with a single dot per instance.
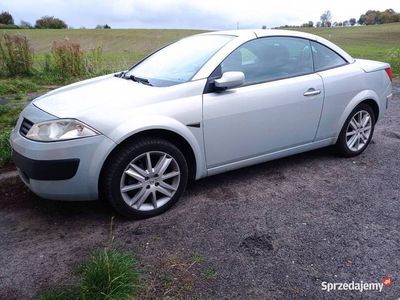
15 86
68 58
47 22
5 147
16 55
108 274
25 25
4 26
394 60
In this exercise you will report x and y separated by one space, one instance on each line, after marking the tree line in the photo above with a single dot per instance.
371 17
45 22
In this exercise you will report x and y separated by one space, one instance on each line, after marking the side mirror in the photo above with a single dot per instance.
230 80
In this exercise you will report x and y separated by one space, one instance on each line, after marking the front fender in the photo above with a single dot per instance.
193 136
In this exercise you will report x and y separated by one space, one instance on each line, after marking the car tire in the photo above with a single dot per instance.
355 136
124 171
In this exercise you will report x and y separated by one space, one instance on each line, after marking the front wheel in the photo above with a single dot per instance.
145 178
357 131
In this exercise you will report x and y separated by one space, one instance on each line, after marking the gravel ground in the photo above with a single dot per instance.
273 231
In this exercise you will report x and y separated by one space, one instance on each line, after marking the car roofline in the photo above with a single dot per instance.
260 33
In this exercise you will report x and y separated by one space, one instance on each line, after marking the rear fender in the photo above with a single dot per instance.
360 97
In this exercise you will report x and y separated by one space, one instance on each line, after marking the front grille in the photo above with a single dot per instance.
25 126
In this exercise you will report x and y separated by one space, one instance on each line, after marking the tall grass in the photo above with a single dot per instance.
94 61
68 58
16 55
109 274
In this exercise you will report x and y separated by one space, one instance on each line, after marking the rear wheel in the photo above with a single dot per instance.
357 131
145 178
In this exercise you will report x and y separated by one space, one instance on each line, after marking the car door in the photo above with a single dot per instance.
278 106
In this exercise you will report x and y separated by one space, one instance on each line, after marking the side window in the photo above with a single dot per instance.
325 58
270 58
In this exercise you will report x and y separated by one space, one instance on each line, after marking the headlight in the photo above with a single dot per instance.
58 130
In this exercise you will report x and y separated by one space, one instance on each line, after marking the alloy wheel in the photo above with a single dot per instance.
150 180
359 130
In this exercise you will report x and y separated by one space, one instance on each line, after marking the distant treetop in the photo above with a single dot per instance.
6 18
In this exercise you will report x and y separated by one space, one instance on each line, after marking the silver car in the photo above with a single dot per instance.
204 105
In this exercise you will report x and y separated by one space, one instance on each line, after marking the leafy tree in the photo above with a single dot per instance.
352 21
6 18
47 22
310 24
361 19
326 19
264 27
25 24
372 17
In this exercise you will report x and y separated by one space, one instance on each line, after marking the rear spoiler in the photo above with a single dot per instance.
371 65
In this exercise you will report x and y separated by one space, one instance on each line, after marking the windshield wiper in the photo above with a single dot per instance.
120 74
134 78
139 79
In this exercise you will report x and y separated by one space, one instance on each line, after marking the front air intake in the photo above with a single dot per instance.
25 127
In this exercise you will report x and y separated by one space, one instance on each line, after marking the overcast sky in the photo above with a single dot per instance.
203 14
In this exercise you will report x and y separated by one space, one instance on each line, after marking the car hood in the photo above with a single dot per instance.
107 102
98 95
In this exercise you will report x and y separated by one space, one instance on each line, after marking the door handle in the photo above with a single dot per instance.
312 92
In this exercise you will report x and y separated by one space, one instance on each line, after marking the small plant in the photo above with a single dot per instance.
16 55
108 274
5 147
210 274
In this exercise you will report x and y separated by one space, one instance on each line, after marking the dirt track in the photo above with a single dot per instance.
273 231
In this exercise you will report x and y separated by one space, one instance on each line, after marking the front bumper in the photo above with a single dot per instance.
60 169
65 170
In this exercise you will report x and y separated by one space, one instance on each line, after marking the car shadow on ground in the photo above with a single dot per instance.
15 196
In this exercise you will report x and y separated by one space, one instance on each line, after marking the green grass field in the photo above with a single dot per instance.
123 47
370 42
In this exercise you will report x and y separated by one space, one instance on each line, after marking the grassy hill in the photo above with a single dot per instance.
123 47
371 42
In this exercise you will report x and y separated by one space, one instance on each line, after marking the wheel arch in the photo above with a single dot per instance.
175 138
369 97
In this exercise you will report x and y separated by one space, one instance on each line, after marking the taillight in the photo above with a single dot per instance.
389 73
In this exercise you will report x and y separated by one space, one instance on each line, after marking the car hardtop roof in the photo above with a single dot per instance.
257 33
264 32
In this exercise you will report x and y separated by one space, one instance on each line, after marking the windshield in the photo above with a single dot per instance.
180 61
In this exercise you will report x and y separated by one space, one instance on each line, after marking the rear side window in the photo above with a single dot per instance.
270 58
325 58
